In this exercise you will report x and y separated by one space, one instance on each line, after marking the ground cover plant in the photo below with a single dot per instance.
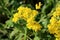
29 19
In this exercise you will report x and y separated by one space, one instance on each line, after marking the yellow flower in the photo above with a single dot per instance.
15 19
38 6
25 13
54 26
56 12
21 8
30 19
56 39
34 26
15 15
58 8
34 13
53 20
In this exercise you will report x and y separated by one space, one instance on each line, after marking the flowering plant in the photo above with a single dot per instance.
30 21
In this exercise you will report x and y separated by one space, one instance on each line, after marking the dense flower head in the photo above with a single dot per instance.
34 26
25 13
29 16
57 12
54 26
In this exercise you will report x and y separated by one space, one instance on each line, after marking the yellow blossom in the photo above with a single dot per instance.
30 19
54 26
21 8
53 20
15 19
57 39
38 6
34 26
52 29
29 16
58 8
57 12
34 13
25 13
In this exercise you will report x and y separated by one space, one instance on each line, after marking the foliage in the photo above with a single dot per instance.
29 20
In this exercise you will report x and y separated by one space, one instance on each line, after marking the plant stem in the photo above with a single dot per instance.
25 33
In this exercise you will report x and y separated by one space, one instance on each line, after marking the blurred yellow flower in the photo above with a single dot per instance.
30 19
57 39
38 5
29 16
54 26
34 26
25 13
57 12
15 19
53 20
34 13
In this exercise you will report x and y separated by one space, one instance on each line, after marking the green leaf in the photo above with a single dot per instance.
45 22
13 32
20 36
9 24
1 26
36 38
6 2
21 24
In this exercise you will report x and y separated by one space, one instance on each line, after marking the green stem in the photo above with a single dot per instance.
25 34
7 10
35 33
42 18
29 37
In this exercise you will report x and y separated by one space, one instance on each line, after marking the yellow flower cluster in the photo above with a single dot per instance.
25 13
34 26
54 26
38 6
29 15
